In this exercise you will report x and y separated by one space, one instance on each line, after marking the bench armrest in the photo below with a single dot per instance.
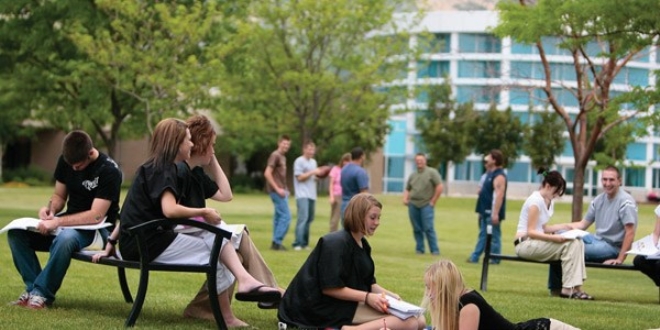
140 230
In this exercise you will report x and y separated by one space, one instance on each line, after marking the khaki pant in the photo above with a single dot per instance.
335 213
254 264
570 253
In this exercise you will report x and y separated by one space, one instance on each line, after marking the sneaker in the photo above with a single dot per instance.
22 300
297 248
37 302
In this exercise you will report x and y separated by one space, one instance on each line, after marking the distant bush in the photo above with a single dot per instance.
244 183
32 176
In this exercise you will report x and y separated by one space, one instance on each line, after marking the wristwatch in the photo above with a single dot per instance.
112 241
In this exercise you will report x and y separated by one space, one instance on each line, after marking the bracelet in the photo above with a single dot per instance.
112 241
366 297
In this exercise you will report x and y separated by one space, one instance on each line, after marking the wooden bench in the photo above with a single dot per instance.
146 267
488 256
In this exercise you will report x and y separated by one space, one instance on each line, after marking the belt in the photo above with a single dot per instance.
520 240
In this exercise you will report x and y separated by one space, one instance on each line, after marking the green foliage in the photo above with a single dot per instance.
31 175
543 139
501 130
446 127
309 69
601 38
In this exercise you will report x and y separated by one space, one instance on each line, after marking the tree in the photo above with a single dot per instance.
600 37
446 127
544 140
314 70
107 65
496 129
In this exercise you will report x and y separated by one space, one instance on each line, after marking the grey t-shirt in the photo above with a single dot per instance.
307 188
611 215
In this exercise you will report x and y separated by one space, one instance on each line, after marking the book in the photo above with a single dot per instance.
574 233
32 224
236 230
645 247
402 309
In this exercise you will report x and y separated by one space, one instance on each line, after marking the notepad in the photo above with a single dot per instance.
645 247
403 309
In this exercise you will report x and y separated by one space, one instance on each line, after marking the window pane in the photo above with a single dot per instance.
395 167
635 177
636 151
519 172
396 139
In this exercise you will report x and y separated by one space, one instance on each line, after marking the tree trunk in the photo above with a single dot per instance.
578 191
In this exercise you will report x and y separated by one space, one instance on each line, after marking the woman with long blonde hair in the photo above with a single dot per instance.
453 306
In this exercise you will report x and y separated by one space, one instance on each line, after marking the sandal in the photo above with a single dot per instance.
580 295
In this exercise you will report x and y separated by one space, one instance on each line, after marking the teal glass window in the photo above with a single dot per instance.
635 177
479 43
479 69
636 151
395 143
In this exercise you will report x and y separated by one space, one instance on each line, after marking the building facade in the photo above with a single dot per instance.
478 65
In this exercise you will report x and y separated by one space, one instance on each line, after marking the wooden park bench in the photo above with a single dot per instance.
488 256
146 267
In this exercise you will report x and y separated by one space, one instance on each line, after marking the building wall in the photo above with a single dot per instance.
479 65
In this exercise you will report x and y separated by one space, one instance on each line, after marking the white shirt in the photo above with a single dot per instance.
544 212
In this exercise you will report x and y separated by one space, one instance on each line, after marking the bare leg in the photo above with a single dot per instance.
225 308
246 282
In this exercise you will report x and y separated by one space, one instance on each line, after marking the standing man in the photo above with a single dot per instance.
276 186
354 179
88 182
304 183
422 191
614 213
491 205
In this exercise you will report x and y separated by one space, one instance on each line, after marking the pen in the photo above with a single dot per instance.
384 324
384 304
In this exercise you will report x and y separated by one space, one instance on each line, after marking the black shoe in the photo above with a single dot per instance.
277 247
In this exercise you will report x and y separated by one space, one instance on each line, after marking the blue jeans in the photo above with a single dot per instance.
496 243
344 204
306 207
45 282
595 250
281 218
422 219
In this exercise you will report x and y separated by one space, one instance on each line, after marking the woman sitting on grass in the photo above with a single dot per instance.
454 307
336 287
535 239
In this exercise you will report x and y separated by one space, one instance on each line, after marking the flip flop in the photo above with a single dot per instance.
268 305
260 296
579 295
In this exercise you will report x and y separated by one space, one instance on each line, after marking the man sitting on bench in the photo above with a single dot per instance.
88 182
614 213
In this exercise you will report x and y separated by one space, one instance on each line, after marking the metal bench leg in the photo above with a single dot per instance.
139 298
215 306
121 274
486 261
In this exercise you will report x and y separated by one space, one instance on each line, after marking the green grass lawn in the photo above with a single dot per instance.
90 295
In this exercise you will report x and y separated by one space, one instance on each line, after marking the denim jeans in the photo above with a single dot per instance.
496 243
306 209
281 218
595 250
421 219
344 204
45 282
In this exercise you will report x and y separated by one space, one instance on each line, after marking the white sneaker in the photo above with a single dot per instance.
22 301
297 248
37 302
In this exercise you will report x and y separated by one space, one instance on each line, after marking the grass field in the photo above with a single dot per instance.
90 295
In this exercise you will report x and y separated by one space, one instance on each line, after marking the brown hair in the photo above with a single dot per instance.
76 147
613 169
356 212
553 179
497 156
202 133
166 140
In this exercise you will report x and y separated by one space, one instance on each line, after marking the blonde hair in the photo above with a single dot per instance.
165 142
444 287
356 212
345 158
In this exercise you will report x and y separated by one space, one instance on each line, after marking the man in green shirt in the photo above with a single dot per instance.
422 191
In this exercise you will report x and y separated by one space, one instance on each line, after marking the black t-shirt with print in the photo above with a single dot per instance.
100 179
